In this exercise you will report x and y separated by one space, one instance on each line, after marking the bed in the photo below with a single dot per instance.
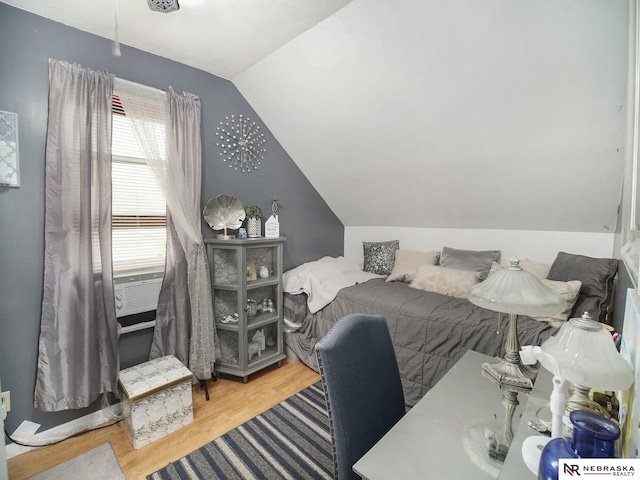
431 324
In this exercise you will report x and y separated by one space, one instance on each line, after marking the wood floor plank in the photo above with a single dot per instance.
232 402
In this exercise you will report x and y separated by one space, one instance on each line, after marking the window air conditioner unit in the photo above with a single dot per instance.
137 293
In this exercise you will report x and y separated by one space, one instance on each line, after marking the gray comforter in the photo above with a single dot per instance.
430 332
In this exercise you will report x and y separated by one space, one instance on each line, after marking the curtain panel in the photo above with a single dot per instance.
78 345
185 310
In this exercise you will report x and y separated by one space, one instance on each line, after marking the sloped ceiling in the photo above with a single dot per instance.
417 113
223 37
456 114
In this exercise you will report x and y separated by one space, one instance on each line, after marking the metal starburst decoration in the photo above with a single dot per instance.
242 143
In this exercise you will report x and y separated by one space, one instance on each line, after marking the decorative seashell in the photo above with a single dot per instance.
224 211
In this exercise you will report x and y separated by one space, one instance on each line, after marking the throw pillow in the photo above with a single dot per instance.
470 260
446 281
567 290
407 261
597 276
379 257
540 270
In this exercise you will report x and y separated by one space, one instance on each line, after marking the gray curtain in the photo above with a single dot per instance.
185 312
173 317
78 346
184 115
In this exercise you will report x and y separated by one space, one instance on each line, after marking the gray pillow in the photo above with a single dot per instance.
470 260
379 257
597 276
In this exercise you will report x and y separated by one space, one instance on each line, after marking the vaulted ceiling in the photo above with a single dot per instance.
417 113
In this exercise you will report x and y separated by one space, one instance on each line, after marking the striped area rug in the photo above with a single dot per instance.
289 441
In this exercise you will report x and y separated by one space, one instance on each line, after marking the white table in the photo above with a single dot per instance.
428 442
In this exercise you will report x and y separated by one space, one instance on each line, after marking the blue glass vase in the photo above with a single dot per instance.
593 437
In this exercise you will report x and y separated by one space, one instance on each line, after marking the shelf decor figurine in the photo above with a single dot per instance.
263 272
254 348
223 212
272 225
259 338
252 308
253 214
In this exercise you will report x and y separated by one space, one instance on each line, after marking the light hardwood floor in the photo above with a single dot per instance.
232 402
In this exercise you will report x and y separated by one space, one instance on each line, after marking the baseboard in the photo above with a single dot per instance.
65 430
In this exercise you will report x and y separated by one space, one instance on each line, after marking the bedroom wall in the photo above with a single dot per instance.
311 228
536 245
3 454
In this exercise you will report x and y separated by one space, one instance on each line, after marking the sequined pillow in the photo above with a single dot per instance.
379 257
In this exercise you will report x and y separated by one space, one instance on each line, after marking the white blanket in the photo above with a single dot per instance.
322 279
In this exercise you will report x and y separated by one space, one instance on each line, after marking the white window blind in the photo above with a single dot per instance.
138 206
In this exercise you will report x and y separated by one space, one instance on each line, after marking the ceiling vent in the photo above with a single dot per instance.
164 6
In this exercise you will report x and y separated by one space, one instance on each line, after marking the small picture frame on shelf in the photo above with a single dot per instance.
251 271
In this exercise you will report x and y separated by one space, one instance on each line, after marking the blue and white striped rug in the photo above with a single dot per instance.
289 441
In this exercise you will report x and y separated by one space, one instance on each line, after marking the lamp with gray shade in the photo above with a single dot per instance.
514 291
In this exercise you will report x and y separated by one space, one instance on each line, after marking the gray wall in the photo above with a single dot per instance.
311 228
4 475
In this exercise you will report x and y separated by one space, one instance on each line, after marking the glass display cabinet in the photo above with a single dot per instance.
246 286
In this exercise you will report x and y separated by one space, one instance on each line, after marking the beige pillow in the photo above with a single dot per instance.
540 270
407 261
567 290
447 281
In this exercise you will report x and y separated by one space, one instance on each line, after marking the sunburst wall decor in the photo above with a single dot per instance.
242 143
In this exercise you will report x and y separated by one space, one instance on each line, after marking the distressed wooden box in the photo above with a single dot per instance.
157 399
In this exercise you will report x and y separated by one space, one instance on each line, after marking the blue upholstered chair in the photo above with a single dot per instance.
362 385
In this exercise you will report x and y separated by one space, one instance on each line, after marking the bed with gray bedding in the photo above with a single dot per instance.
432 331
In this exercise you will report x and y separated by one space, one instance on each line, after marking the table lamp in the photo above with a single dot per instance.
582 353
587 357
514 291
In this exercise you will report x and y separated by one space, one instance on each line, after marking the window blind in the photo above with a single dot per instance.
138 206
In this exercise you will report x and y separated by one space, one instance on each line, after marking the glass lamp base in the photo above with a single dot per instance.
483 447
508 373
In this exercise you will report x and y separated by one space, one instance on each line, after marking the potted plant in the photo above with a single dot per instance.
254 220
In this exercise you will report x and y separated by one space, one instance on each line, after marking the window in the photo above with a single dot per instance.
138 206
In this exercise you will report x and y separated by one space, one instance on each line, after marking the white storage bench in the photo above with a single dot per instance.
157 399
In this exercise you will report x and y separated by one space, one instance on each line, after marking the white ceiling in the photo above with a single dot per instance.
223 37
484 114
